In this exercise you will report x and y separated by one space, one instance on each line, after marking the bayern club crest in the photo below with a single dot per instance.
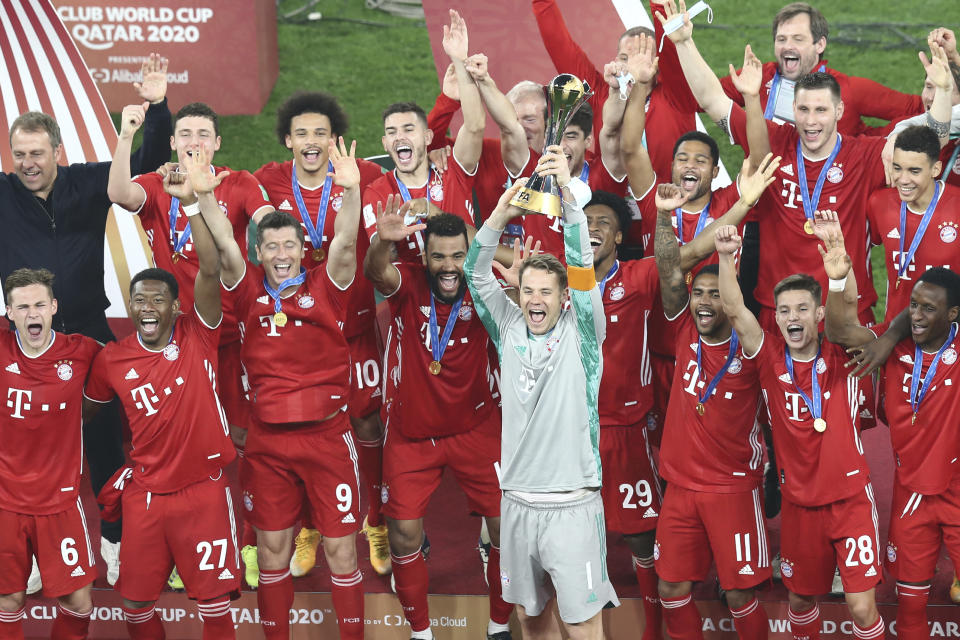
656 551
891 553
465 313
305 302
247 501
834 174
617 293
384 494
436 192
337 202
736 365
821 365
948 232
786 568
171 352
65 371
949 356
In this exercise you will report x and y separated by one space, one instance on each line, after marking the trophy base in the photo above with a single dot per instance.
535 201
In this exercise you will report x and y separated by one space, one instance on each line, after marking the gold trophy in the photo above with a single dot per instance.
565 95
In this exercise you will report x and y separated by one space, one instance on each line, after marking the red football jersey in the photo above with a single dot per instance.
629 300
549 230
785 248
451 190
299 372
239 195
276 179
463 394
815 468
722 450
927 452
861 97
179 432
41 458
939 247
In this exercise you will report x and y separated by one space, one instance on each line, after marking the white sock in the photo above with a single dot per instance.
426 634
493 627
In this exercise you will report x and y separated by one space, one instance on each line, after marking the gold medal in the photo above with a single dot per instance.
434 367
175 257
318 255
898 283
820 425
808 227
689 278
913 419
280 318
700 408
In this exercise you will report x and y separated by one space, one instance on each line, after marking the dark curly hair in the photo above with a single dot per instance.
310 102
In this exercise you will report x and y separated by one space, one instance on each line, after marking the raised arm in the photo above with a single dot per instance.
666 250
469 140
643 66
938 72
158 126
342 259
703 82
841 324
444 108
743 321
391 227
748 83
612 117
120 189
513 140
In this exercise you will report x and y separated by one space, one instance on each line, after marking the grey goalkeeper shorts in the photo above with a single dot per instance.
560 549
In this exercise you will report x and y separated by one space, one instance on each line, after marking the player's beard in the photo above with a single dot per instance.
440 294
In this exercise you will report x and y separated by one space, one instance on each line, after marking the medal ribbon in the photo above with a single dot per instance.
585 173
701 222
921 229
613 270
813 405
917 392
275 293
405 194
437 345
708 392
775 90
314 231
178 243
810 204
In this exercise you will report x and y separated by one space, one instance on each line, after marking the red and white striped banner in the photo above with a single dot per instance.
41 69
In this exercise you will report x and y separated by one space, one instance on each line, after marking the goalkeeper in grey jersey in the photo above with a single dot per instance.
552 533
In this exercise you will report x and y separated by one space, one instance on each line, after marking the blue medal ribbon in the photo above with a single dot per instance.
708 392
314 231
438 345
814 403
178 243
810 203
921 229
774 92
613 270
918 392
275 293
405 194
585 173
701 222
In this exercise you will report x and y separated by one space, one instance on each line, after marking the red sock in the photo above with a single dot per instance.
370 458
912 611
216 618
683 619
751 621
144 624
249 536
347 593
805 625
70 625
410 573
499 609
876 631
653 612
274 599
11 627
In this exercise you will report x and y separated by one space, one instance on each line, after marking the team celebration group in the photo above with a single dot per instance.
542 359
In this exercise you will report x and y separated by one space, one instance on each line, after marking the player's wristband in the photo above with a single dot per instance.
191 209
580 191
838 285
581 278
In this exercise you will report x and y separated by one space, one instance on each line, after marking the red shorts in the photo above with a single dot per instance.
193 529
365 374
631 490
314 464
918 525
841 534
697 528
412 469
61 544
232 387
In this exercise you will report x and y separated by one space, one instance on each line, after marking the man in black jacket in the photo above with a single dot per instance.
54 216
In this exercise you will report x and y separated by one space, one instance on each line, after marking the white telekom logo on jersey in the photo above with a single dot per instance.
146 397
21 400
